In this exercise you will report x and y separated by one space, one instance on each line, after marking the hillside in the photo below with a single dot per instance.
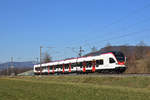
125 49
18 67
27 64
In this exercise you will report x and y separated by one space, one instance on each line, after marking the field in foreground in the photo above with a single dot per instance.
75 88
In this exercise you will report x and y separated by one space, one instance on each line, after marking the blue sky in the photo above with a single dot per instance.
25 25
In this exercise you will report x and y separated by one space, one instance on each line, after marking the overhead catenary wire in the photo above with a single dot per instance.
136 11
126 28
127 16
130 39
116 38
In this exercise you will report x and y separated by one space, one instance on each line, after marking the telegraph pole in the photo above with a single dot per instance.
41 60
12 67
7 70
80 51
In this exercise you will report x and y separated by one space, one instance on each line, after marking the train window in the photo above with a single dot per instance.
119 56
56 66
99 62
44 68
66 66
37 69
84 64
50 68
76 64
79 64
60 66
111 60
73 65
89 63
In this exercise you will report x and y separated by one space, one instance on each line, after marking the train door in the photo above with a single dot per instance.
48 70
84 66
53 69
69 67
93 65
63 70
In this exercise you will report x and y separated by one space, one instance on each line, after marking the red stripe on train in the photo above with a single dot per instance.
84 69
84 66
93 68
53 70
69 67
48 70
63 68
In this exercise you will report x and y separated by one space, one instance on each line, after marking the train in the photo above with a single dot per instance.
106 62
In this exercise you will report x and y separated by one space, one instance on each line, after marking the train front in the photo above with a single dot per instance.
121 59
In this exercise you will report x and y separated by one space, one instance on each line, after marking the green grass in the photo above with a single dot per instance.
75 88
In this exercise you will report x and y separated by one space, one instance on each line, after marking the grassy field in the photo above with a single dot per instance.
75 88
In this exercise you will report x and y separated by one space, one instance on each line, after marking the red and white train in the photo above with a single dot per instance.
105 62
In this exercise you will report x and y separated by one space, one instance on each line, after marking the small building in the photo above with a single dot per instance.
27 73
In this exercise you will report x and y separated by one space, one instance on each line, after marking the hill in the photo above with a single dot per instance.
125 49
27 64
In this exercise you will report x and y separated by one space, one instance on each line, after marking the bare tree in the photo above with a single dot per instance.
93 49
108 47
140 50
124 49
47 58
141 43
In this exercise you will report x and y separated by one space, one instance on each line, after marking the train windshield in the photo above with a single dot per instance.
119 56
